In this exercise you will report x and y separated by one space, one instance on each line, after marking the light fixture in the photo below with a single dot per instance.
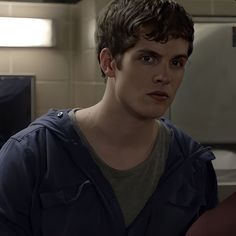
26 32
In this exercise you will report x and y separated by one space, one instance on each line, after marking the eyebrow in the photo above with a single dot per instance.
181 56
150 52
155 54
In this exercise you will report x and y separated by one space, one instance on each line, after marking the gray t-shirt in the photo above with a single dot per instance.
134 187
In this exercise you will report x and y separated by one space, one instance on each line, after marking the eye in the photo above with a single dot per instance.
149 60
178 62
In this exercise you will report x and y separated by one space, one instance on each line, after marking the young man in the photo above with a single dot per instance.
115 168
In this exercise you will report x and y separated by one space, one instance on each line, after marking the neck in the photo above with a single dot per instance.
109 121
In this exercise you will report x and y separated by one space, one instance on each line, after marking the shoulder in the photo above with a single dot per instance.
31 149
56 122
176 131
178 135
41 134
188 146
195 161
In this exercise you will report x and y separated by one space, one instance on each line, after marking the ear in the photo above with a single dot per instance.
107 62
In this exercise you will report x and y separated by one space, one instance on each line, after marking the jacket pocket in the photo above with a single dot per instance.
62 211
186 196
63 196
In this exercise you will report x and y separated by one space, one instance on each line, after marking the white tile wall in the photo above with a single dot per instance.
197 7
46 64
87 93
51 66
224 7
51 94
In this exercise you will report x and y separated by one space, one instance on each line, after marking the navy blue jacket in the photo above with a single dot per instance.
50 186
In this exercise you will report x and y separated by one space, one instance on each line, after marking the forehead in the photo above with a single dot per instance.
172 47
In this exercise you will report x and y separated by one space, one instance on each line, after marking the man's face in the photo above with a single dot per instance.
150 74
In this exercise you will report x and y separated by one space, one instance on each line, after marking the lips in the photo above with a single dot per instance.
159 96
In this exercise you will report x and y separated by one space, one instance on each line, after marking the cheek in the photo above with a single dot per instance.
178 79
130 79
176 82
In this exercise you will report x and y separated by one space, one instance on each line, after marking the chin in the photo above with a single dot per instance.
147 112
155 113
152 114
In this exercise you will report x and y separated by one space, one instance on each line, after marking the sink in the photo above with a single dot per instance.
225 166
225 160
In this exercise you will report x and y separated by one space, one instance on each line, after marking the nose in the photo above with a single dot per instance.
162 75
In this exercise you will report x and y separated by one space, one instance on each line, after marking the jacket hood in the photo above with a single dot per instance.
58 122
187 146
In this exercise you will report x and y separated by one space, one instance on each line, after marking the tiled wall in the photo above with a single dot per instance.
210 7
51 66
68 75
87 82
